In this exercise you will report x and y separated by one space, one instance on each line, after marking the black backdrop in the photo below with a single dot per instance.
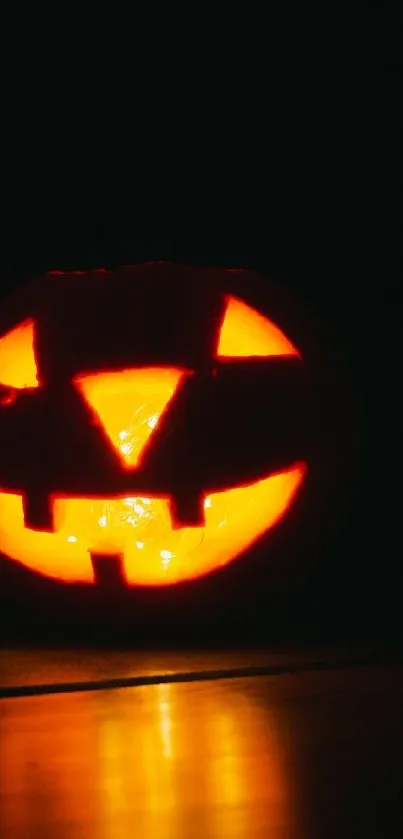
285 161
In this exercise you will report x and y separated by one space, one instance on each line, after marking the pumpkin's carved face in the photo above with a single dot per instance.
147 415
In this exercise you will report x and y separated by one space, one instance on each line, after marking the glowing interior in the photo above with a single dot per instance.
141 529
246 333
17 358
129 404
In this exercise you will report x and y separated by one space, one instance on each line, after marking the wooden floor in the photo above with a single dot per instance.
300 756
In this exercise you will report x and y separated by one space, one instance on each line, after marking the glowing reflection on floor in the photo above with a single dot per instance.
139 762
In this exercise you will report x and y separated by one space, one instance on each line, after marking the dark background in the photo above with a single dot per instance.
279 158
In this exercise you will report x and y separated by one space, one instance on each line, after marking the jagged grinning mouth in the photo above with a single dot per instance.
140 530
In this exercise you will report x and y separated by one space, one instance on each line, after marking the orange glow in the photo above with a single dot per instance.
246 333
173 760
17 358
129 404
141 530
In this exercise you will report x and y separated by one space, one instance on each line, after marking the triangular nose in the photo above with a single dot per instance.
129 404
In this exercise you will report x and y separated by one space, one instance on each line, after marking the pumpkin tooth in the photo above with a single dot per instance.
109 572
187 511
38 512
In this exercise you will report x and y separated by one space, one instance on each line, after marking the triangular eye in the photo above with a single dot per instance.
246 333
17 358
129 404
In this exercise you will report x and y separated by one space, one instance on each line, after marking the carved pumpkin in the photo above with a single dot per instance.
148 420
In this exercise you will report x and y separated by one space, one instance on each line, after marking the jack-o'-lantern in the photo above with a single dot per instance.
147 415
